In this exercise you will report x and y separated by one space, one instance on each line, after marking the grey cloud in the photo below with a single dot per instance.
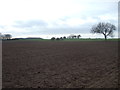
65 30
29 23
100 8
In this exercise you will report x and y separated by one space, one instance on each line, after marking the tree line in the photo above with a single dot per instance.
5 36
106 29
72 36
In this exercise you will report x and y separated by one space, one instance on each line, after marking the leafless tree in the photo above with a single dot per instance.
78 36
8 36
106 29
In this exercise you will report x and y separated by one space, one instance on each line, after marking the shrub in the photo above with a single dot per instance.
53 38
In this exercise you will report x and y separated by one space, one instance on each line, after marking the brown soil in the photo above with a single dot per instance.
60 64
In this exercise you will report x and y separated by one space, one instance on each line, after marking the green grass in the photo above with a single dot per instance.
82 39
91 40
36 39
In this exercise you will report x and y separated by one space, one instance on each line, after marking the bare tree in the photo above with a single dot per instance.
78 36
74 36
106 29
8 36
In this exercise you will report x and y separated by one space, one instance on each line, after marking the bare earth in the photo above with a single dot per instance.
60 64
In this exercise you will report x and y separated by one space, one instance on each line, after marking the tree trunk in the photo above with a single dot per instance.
105 37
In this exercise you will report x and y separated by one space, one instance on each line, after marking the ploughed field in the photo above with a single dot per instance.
60 64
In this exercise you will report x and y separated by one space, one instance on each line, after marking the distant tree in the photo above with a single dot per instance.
64 37
106 29
78 36
74 36
3 36
57 38
61 38
7 36
53 38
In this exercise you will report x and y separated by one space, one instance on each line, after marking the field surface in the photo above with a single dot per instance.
60 64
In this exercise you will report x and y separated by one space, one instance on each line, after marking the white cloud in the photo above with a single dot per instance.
61 16
32 9
78 21
107 17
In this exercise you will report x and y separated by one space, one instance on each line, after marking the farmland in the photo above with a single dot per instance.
60 64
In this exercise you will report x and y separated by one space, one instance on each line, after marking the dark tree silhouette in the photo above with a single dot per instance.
106 29
57 38
61 38
78 36
53 38
64 37
73 37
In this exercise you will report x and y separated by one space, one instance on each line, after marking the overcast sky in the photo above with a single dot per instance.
47 18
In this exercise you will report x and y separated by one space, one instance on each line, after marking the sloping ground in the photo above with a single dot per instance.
60 64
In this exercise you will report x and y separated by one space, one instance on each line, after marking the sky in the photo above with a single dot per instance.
55 18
